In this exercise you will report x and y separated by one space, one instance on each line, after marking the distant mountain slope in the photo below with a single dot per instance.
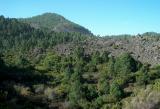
18 35
54 22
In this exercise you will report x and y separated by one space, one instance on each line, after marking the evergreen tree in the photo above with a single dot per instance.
125 64
67 74
103 86
116 91
96 59
79 53
104 56
111 67
142 77
75 93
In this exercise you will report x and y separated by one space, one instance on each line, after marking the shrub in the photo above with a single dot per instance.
145 99
103 86
49 93
116 91
99 102
90 92
142 78
109 98
3 95
51 62
156 85
39 88
22 90
104 57
154 72
121 81
62 89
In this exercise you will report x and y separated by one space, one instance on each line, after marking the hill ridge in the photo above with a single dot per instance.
54 22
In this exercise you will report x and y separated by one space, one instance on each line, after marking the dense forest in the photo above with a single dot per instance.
33 75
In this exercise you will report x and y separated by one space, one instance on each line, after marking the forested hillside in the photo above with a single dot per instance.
54 22
43 69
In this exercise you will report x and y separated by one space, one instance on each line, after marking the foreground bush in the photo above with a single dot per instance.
145 99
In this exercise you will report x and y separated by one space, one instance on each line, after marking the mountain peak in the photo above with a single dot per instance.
54 22
50 15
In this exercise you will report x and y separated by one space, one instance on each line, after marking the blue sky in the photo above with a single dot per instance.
103 17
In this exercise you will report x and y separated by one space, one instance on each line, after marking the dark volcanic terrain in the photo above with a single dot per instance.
143 48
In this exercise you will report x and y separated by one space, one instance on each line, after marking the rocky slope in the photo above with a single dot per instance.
143 48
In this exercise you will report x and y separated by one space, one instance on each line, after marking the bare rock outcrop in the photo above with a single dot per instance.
145 49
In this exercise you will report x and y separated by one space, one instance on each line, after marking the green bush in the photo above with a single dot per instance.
51 62
90 92
116 91
125 64
142 76
103 86
156 85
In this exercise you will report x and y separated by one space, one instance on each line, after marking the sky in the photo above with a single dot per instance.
101 17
